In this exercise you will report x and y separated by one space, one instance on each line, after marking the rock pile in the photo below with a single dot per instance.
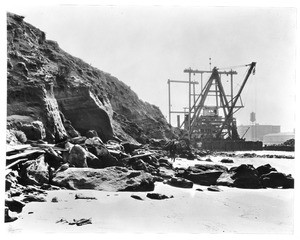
88 163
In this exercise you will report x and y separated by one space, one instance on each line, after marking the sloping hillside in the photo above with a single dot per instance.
45 83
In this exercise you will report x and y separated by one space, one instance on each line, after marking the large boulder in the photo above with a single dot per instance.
203 174
130 147
35 172
34 130
139 164
276 179
104 158
78 156
264 169
209 167
14 205
243 176
107 179
225 180
204 178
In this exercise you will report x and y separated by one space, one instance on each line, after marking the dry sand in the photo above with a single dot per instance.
233 210
190 211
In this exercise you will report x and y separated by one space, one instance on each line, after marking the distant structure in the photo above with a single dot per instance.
252 117
209 120
256 132
277 138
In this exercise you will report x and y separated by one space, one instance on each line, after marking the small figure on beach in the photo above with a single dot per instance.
172 150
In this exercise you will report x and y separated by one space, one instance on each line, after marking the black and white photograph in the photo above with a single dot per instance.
152 118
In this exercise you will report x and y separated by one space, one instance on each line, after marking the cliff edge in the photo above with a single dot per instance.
70 97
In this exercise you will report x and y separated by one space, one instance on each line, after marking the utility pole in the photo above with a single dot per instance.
189 116
169 94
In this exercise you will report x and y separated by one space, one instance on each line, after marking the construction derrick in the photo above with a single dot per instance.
210 115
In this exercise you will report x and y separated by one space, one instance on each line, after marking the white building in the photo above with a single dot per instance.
277 138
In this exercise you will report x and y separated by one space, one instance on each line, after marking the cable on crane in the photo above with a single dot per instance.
237 66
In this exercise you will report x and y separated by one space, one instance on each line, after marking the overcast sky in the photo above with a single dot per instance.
146 46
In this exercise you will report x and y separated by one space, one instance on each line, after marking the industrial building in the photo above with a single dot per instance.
277 138
256 132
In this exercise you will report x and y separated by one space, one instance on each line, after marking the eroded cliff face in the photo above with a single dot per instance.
50 85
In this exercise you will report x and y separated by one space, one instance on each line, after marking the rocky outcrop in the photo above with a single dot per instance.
203 174
276 179
243 176
68 95
180 182
107 179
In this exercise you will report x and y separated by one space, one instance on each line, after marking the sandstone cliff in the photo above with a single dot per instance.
47 84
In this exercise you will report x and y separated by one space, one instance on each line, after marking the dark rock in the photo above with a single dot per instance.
136 197
157 143
104 158
63 167
78 156
34 131
151 160
8 218
95 141
52 158
165 172
245 176
14 192
130 147
188 155
204 178
164 162
180 182
35 172
157 196
158 179
214 189
11 179
276 179
226 160
49 187
107 179
71 131
14 205
91 134
81 222
209 167
82 196
22 68
139 164
264 169
78 140
33 198
32 189
54 199
199 189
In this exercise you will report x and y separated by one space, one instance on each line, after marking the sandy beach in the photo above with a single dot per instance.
232 210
